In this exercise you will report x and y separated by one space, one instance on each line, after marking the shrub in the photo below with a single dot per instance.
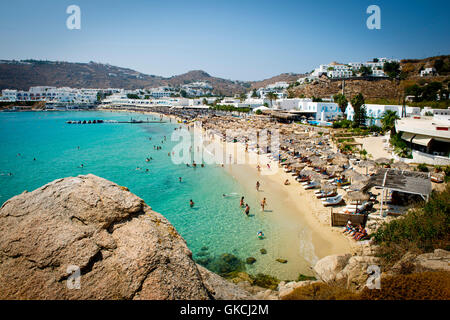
422 229
422 167
321 291
416 286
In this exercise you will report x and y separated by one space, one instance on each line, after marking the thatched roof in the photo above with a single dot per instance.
403 181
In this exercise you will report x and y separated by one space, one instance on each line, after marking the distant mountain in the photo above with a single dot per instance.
26 73
286 77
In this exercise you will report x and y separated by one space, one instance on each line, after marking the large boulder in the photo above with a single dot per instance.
327 268
439 260
123 249
354 276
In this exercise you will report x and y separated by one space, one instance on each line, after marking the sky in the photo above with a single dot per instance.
233 39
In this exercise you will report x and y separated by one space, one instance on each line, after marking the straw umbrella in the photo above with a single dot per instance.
340 159
357 196
383 161
400 165
366 164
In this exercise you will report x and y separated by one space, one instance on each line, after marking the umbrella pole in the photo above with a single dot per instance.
382 198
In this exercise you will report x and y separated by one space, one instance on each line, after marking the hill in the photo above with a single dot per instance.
379 89
26 73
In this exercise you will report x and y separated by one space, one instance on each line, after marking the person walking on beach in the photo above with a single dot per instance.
241 203
257 185
263 204
247 209
191 203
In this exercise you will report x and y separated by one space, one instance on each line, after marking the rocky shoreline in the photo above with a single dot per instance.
125 250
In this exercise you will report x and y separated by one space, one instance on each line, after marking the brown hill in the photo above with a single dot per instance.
23 74
375 89
288 77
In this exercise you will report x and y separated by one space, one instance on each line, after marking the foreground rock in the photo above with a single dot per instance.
124 249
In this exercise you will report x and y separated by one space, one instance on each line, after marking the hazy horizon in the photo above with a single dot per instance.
246 40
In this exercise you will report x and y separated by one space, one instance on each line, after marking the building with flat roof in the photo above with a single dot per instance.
428 138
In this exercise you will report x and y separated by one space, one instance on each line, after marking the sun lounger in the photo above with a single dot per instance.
332 201
311 185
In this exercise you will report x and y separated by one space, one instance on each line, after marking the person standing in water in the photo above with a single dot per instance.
263 204
241 203
257 185
179 178
247 209
191 203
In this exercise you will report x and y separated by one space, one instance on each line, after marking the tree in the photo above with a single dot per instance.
342 101
255 94
183 93
388 121
359 118
242 97
392 69
431 90
414 90
365 70
375 60
132 96
271 96
204 102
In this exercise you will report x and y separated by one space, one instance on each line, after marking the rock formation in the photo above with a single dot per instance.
122 248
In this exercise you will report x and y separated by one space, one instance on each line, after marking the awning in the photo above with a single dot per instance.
407 136
422 140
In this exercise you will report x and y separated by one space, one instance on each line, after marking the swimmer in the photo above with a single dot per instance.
146 170
260 235
82 166
191 203
179 178
241 203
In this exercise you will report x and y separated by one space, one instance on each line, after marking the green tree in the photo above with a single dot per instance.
359 118
242 97
365 71
271 96
183 93
132 96
388 121
254 94
392 69
342 101
414 90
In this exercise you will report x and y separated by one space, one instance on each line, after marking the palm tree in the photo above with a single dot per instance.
388 121
271 96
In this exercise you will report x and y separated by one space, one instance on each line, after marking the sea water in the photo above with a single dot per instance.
39 147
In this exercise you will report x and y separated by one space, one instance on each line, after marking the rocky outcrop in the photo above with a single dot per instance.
122 248
346 270
327 268
439 260
286 289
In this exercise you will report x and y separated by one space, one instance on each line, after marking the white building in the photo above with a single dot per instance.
427 72
374 112
428 137
319 111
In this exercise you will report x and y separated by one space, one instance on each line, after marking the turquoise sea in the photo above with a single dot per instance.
216 225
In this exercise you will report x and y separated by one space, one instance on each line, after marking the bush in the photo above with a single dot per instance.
342 124
422 229
416 286
422 167
321 291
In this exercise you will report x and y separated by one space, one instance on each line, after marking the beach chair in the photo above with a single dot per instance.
311 185
332 201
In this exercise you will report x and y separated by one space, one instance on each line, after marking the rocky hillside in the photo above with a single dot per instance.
287 77
378 89
123 249
23 74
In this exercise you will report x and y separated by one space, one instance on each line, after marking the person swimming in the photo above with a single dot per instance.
260 235
179 178
191 203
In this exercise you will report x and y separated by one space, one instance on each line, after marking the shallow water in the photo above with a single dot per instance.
114 151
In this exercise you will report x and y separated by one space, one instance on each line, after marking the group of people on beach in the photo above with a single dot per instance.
357 233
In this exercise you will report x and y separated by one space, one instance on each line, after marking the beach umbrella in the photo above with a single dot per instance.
335 169
400 165
366 164
340 159
298 166
357 196
383 161
327 187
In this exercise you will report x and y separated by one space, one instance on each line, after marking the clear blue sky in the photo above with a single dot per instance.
233 39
